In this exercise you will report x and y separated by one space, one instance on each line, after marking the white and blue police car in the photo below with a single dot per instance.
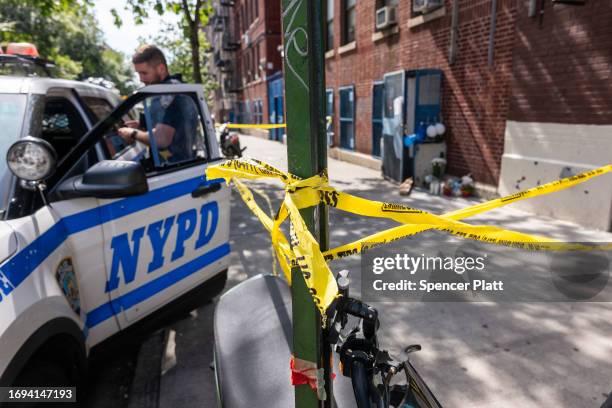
99 236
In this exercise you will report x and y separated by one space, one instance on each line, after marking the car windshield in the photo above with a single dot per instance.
12 107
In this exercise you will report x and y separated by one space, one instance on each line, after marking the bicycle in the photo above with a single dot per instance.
370 368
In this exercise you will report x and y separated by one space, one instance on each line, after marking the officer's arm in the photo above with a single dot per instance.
166 128
163 135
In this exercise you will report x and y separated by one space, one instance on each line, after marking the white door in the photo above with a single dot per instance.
159 245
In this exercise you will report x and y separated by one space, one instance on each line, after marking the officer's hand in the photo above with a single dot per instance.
126 134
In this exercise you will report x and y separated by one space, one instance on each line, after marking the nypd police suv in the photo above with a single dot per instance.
97 235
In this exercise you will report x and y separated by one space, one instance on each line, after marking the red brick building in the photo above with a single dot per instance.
525 96
474 94
245 36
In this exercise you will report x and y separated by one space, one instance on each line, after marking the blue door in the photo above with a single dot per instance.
279 117
347 117
377 115
275 105
394 96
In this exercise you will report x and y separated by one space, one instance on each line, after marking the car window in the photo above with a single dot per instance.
12 111
62 125
173 125
56 120
175 129
99 107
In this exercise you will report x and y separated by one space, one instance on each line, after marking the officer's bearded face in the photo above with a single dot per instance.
151 73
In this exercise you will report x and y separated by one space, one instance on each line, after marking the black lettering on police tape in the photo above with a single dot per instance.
330 198
512 197
313 292
244 166
294 240
398 208
348 252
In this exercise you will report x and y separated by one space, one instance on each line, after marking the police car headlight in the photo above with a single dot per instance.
31 159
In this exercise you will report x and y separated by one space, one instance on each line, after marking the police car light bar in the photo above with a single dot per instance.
23 48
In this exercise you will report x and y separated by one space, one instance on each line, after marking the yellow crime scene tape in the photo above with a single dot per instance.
303 250
252 126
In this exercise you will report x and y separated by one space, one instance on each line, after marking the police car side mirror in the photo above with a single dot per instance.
106 179
31 159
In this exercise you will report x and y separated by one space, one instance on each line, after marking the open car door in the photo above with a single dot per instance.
175 236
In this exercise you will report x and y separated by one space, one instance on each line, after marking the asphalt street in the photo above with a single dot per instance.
474 354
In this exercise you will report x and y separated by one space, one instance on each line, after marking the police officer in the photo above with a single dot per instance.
173 117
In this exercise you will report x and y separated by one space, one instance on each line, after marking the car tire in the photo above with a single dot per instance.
233 151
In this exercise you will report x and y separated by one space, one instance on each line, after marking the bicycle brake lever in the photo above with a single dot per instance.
337 314
412 348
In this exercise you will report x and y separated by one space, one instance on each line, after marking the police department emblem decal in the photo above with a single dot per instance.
68 283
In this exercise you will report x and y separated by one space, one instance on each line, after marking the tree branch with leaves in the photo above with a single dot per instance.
193 15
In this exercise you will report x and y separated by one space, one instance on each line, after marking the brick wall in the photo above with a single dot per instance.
562 65
265 34
475 96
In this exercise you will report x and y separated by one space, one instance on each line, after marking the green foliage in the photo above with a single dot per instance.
182 41
171 38
66 32
67 68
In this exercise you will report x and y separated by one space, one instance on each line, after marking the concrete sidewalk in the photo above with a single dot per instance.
474 354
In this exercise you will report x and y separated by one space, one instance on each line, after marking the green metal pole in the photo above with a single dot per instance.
304 71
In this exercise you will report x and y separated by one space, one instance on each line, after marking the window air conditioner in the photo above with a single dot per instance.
385 17
425 6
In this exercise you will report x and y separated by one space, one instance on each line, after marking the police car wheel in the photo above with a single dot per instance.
42 374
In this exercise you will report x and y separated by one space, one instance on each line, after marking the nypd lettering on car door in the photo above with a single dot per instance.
126 246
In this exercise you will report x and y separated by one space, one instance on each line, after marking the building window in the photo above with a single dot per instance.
256 62
420 7
256 8
239 112
258 111
386 3
348 21
347 117
242 19
329 25
247 66
247 5
247 114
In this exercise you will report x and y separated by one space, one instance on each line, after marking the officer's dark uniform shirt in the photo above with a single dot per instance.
178 112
